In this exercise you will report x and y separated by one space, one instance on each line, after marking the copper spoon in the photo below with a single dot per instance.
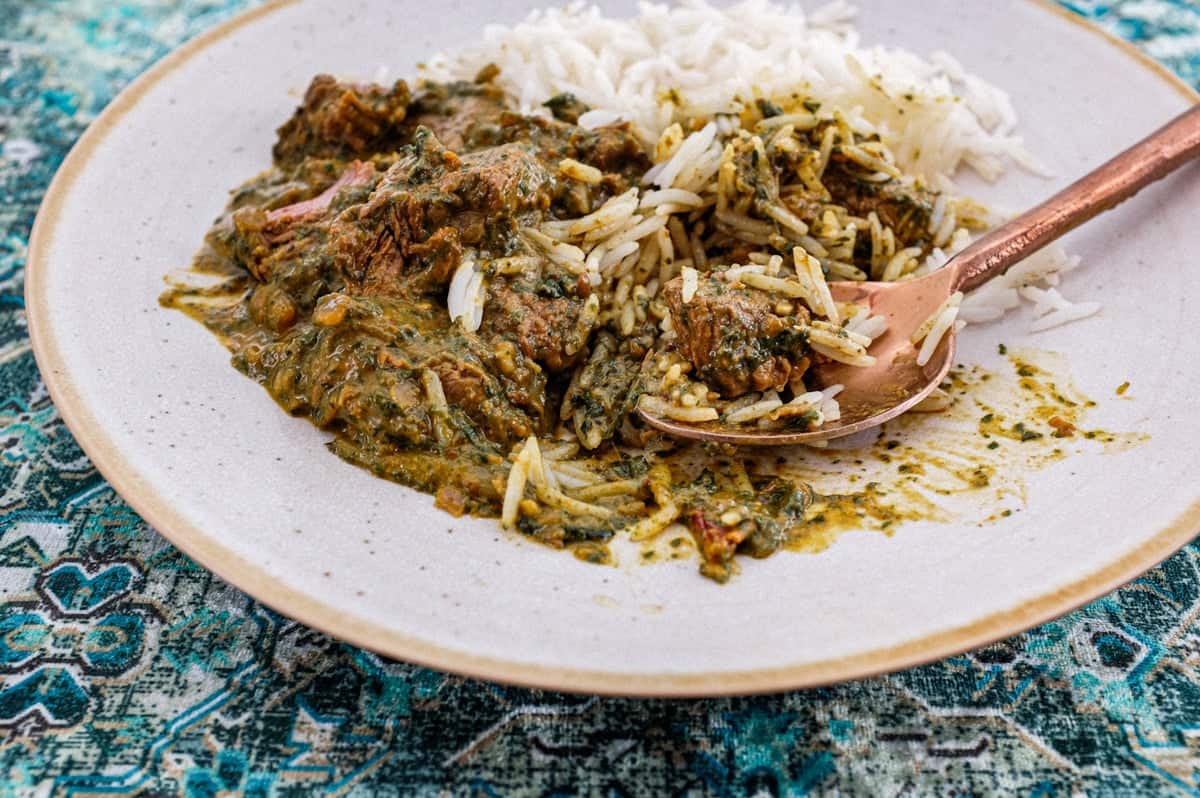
895 383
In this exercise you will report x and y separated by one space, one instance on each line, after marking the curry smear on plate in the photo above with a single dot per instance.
970 461
333 278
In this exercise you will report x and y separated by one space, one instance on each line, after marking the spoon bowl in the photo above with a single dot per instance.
895 383
872 394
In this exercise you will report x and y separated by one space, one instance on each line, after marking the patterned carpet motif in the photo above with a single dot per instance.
128 669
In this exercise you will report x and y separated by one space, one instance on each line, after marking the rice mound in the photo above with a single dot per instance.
695 60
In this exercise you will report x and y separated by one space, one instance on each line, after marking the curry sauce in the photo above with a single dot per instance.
330 275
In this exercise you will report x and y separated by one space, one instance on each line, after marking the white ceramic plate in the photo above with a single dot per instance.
207 458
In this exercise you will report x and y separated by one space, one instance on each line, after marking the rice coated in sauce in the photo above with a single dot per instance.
341 266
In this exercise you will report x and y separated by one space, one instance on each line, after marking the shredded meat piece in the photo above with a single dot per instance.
614 150
453 111
409 236
733 337
359 174
462 382
259 238
343 120
543 326
906 209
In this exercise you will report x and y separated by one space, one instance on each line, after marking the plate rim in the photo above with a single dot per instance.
274 591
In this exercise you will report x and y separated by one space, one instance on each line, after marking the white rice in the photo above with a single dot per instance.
933 329
693 147
514 489
691 282
675 196
1034 280
663 409
829 406
808 271
582 172
865 324
537 464
659 482
708 55
755 411
466 294
801 405
433 391
616 211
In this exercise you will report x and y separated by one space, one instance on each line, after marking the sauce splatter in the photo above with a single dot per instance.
1000 426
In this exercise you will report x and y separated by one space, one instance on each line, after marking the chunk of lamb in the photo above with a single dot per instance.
259 239
343 120
733 337
455 111
542 313
358 174
409 237
905 208
615 150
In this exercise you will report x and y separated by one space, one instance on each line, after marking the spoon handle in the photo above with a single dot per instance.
1151 159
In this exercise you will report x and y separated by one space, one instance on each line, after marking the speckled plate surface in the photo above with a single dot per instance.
251 493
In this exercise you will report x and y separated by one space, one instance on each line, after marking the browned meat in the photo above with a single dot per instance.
470 116
341 120
541 316
359 174
241 244
733 337
462 382
614 150
488 188
506 407
906 209
258 238
453 111
409 236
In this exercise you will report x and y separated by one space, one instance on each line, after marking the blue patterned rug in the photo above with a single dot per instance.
128 669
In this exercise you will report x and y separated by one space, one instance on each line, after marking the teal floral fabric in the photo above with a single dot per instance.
126 668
